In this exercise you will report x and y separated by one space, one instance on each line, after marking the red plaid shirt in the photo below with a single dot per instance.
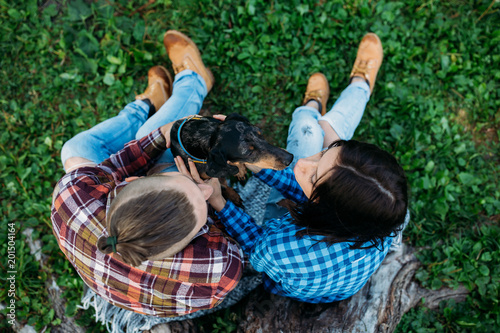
198 277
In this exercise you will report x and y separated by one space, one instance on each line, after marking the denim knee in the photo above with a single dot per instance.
83 145
68 150
305 136
346 113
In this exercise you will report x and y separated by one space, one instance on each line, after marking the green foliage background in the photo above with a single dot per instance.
67 65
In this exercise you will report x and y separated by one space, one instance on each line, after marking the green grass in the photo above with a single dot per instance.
67 66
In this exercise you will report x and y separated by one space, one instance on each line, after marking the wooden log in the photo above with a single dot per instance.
56 300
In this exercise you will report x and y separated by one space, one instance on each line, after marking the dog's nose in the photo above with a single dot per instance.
288 158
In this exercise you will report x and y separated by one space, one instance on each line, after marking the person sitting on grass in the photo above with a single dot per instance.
351 197
144 243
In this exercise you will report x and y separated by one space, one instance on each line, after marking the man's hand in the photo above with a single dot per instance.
165 130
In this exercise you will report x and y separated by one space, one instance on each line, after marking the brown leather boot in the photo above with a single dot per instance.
184 54
368 59
318 90
159 87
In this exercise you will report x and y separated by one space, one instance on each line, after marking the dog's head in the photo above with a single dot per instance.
240 142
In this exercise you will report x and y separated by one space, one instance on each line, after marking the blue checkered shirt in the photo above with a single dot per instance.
301 268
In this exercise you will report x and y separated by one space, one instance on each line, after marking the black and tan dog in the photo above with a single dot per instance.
221 148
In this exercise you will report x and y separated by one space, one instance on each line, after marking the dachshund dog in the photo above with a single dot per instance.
222 148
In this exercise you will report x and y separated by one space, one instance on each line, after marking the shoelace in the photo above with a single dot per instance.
362 68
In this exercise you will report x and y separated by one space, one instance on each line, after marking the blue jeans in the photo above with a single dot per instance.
108 137
305 135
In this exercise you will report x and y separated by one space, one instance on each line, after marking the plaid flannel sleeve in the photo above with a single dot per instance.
137 157
284 181
240 226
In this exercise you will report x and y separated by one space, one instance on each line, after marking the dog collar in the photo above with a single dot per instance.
195 159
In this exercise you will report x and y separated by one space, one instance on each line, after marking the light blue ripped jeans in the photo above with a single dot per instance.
109 136
305 135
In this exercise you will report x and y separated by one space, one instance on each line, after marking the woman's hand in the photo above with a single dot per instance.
253 168
216 200
220 117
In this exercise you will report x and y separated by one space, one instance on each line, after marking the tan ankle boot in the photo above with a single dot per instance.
368 59
159 86
318 90
184 54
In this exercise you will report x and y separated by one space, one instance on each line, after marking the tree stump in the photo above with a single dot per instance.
54 293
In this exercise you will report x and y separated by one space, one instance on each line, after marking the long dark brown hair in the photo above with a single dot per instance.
147 223
364 199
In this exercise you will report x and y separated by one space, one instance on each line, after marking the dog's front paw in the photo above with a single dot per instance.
242 171
229 193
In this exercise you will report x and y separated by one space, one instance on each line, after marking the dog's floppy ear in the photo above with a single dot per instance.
217 163
237 117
